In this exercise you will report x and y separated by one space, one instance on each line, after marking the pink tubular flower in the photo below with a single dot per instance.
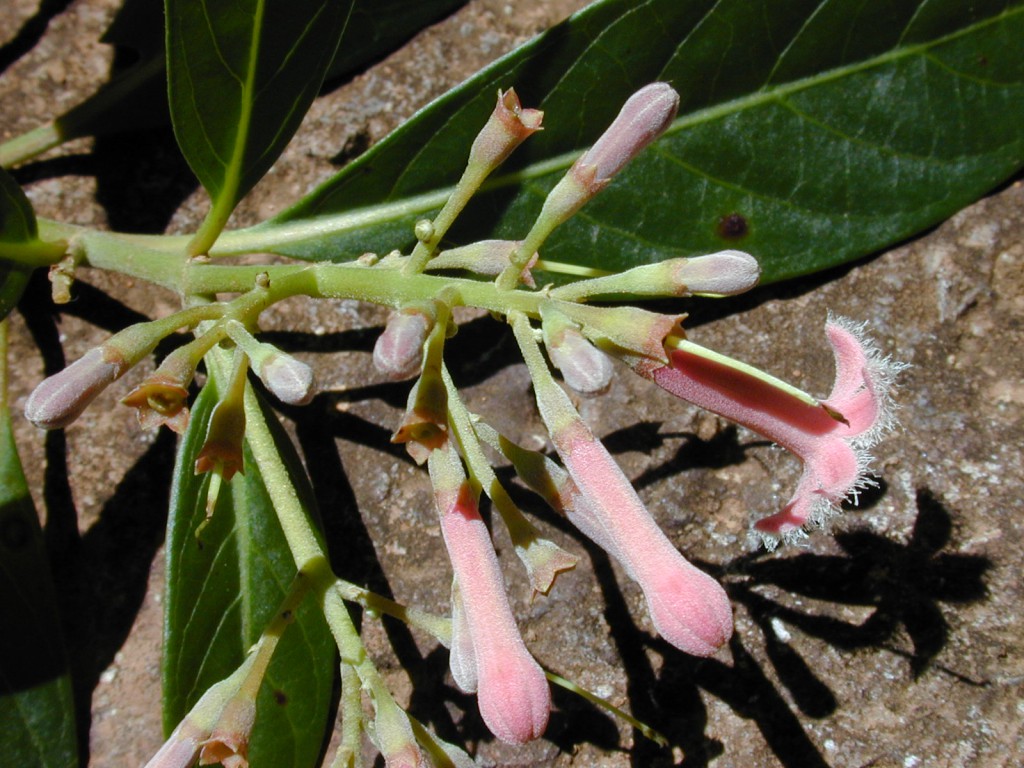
512 691
831 438
688 607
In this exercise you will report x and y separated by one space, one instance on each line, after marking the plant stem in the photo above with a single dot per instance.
307 550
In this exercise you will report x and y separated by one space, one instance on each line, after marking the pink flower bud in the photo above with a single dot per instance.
61 398
644 117
584 367
398 352
688 607
512 690
288 379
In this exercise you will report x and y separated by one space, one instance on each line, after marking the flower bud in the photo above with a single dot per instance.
643 118
290 380
584 367
61 398
718 274
485 257
512 691
398 352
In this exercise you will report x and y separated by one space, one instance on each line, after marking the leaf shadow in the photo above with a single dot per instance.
101 575
31 32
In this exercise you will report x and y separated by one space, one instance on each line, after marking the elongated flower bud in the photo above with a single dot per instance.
643 118
688 607
718 274
61 398
512 691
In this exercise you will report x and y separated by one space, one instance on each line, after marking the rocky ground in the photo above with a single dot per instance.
894 642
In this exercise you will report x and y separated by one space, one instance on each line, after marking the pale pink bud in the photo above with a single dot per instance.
61 398
725 273
831 438
512 691
398 352
288 379
718 274
644 117
584 367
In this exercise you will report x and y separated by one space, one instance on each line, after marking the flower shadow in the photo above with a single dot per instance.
904 585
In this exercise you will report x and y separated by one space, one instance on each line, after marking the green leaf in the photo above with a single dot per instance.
241 75
810 133
223 585
37 713
136 96
19 240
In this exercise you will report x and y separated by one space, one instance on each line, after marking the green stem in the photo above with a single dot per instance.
36 253
306 548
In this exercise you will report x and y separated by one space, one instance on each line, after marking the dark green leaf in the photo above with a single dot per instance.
222 587
17 227
241 75
37 713
17 219
810 133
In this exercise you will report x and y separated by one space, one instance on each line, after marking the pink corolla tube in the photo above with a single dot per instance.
688 607
512 691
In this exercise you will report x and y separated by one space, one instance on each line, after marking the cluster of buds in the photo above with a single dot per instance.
583 340
161 399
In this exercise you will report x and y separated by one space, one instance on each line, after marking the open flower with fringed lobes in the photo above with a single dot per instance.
582 338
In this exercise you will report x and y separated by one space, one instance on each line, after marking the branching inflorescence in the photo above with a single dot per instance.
581 338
